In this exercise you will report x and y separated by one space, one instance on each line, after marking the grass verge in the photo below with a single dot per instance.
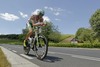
78 45
9 41
3 60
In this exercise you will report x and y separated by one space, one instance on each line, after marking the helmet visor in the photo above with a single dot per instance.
41 14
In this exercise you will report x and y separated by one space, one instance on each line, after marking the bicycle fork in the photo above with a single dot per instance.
37 40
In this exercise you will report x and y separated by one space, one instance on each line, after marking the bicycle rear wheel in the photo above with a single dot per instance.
26 50
41 47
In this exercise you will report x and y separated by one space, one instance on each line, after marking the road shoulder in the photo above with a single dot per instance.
16 60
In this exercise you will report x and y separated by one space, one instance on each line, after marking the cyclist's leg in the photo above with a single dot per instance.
28 34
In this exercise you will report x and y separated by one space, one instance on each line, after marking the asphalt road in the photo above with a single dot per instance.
61 56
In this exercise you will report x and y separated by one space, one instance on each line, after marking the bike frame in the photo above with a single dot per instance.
38 31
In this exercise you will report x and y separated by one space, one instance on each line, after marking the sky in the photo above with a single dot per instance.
67 15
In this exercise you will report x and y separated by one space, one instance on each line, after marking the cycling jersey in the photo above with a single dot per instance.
29 23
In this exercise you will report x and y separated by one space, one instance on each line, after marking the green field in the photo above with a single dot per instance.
9 41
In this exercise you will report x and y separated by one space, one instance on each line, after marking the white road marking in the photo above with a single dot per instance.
18 47
28 57
77 56
86 57
14 51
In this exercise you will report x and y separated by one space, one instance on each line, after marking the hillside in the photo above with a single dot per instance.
67 38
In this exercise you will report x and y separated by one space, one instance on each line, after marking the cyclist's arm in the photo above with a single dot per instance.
35 24
41 21
32 19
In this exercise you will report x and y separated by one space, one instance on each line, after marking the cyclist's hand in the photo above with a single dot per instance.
44 24
39 24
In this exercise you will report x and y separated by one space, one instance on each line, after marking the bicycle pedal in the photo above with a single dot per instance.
40 46
24 47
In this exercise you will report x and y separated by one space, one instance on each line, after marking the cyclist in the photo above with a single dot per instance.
35 20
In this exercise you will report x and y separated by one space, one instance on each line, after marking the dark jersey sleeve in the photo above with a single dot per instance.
41 20
32 18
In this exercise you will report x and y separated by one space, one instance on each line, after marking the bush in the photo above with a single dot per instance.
54 37
79 45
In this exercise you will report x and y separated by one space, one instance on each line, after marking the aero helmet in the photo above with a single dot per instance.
39 12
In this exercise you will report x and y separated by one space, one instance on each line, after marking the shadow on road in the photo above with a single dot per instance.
52 59
31 55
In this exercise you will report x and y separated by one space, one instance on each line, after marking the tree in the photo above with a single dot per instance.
54 36
95 23
48 29
85 34
79 34
88 35
51 32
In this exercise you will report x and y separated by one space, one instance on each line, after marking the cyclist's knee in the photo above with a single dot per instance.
30 31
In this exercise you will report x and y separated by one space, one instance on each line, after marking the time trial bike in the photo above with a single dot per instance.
38 43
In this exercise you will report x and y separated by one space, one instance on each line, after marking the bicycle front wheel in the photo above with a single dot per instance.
41 47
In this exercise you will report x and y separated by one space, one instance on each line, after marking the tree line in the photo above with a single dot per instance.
9 36
91 34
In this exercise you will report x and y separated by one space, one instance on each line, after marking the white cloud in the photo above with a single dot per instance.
52 9
58 19
47 19
56 11
8 17
46 7
59 9
23 15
